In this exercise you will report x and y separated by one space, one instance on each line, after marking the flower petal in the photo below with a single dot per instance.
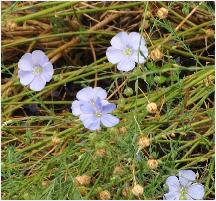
26 63
173 183
47 72
109 120
90 121
196 191
171 196
120 40
108 108
87 107
114 55
75 107
37 84
39 57
186 177
99 93
136 40
137 58
126 65
25 77
85 94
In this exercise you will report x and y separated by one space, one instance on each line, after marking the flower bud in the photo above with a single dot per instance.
45 184
162 13
104 195
143 142
126 191
56 140
172 134
128 91
83 180
156 54
151 108
152 164
137 190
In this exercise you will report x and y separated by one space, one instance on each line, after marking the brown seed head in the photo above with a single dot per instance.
137 190
143 142
122 130
156 54
104 195
118 170
126 191
162 13
83 180
11 26
152 163
151 108
101 152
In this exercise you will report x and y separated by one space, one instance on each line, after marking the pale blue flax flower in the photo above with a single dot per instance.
126 50
93 109
35 70
184 187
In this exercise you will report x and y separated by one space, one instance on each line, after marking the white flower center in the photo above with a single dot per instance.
37 70
183 191
127 52
98 114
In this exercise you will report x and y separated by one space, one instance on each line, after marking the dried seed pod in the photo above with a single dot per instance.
83 180
104 195
45 184
162 13
118 170
151 108
56 140
137 190
122 130
156 54
152 164
209 32
100 153
126 191
10 25
143 142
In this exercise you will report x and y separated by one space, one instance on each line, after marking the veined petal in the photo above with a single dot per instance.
126 65
108 108
120 40
114 55
196 191
47 72
85 94
138 58
87 107
25 77
173 183
26 62
90 121
186 177
109 120
37 84
39 57
99 93
171 196
75 107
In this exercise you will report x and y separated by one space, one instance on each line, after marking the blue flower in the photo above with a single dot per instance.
93 109
184 188
125 50
35 70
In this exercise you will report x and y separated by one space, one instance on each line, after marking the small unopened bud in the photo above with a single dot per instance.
104 195
55 140
209 32
146 24
45 183
172 134
152 163
137 190
156 54
128 91
101 152
126 191
83 190
151 108
148 14
162 13
118 170
83 180
143 142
